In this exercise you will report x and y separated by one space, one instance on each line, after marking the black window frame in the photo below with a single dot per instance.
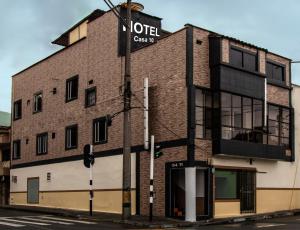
38 110
87 93
18 143
68 81
271 78
5 154
19 104
247 52
100 119
42 136
75 126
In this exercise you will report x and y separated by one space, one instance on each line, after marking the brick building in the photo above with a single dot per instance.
220 108
4 157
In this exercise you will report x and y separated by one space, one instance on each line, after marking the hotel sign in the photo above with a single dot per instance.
145 30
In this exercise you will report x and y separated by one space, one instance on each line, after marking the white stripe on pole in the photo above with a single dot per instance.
152 158
146 113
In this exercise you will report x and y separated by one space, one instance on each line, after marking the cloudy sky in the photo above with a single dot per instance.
28 27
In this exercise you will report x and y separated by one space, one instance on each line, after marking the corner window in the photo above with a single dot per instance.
100 130
90 97
278 126
243 59
42 143
16 149
5 155
38 102
204 107
71 137
17 109
275 72
72 89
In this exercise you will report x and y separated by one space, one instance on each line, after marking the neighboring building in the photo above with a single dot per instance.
4 157
220 109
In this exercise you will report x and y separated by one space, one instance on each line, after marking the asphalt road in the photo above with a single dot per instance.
11 220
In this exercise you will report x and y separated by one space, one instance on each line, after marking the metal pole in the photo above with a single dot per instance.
91 184
146 114
151 179
126 196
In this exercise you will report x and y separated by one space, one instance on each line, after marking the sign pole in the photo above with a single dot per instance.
151 178
91 183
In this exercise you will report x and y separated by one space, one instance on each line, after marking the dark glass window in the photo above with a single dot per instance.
100 130
242 118
90 97
243 59
71 137
72 89
37 102
42 143
16 149
278 126
275 72
6 155
204 107
17 109
226 184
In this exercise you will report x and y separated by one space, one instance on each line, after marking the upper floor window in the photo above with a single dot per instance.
37 102
278 126
16 149
241 118
243 59
72 89
42 143
6 155
90 97
17 109
275 72
71 137
100 130
204 107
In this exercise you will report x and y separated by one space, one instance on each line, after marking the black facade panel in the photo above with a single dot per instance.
214 51
249 150
241 82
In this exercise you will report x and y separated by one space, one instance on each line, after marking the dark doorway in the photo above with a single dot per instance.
247 191
178 193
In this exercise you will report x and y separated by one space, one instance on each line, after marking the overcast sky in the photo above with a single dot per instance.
28 27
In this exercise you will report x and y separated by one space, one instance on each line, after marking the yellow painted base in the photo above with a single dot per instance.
227 209
104 201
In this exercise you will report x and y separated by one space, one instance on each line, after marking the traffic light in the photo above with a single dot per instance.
88 156
157 152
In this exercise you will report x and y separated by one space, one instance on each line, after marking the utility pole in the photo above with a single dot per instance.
126 194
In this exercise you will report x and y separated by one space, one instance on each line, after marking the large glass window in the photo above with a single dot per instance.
204 106
278 125
242 118
275 72
226 184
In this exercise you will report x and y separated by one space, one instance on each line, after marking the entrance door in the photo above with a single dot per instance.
247 191
178 193
33 190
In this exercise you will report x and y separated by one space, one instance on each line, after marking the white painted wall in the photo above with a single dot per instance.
271 173
74 176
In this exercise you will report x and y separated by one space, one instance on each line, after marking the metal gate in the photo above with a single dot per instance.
33 190
247 191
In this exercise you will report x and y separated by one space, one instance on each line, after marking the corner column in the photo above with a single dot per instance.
190 194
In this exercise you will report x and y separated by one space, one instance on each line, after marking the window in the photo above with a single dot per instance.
226 184
38 102
90 97
278 126
242 118
243 59
100 130
18 110
72 89
17 149
71 138
204 107
42 144
6 155
275 72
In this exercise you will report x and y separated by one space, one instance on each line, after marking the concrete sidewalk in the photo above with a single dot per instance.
143 221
